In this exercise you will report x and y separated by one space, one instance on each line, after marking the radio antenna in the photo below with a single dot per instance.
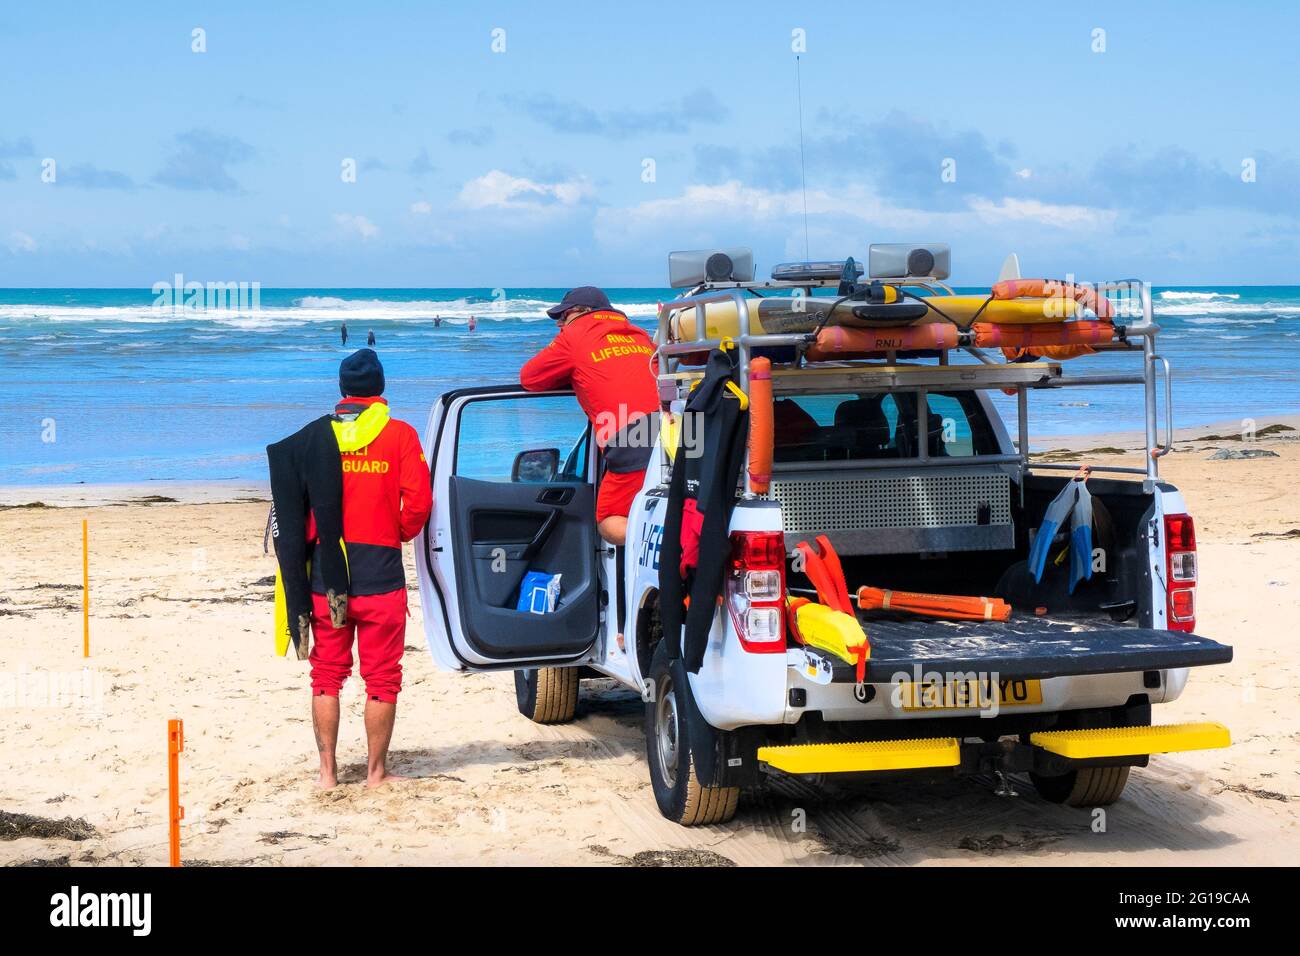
803 171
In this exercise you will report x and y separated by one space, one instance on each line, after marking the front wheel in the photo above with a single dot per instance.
547 695
670 750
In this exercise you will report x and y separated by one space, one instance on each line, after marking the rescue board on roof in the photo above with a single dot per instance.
793 314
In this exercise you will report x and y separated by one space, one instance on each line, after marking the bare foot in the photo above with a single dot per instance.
327 781
373 782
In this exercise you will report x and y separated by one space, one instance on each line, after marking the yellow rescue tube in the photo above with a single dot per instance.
785 315
963 309
832 631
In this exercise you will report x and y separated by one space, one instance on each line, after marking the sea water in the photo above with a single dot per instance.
109 386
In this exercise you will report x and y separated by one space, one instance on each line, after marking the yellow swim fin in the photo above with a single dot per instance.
282 636
283 632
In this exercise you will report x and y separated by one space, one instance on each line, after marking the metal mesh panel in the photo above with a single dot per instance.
904 501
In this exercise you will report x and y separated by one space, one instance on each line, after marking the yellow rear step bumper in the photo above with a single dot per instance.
864 755
1132 741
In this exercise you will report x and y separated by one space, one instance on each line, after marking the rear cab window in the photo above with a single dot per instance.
849 427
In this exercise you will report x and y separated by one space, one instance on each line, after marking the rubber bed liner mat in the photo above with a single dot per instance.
1026 648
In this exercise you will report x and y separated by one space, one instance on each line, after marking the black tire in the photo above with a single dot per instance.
670 751
1085 787
547 695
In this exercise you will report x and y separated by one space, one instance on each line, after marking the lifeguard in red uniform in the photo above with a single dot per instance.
386 501
608 362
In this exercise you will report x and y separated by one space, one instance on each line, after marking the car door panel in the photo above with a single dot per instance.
487 534
503 531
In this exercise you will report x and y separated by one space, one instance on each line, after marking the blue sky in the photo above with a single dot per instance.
526 167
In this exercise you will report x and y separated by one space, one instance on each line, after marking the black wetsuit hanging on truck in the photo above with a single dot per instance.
701 497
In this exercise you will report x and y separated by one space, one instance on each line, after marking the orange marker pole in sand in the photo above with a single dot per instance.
175 812
85 589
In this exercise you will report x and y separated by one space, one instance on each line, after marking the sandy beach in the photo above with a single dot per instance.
180 628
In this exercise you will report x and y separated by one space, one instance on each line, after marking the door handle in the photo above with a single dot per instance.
555 496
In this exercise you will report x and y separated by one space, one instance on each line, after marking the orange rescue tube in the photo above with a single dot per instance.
761 425
951 606
1066 340
837 341
1057 352
1035 336
1054 288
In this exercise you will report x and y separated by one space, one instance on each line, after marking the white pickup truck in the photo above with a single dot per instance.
1062 691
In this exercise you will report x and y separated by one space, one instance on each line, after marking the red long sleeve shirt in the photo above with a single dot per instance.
606 360
386 500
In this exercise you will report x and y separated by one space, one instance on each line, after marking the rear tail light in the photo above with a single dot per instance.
1180 567
756 590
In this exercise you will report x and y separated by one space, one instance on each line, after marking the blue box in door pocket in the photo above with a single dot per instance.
539 593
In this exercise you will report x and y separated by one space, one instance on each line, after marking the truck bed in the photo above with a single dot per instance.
1025 647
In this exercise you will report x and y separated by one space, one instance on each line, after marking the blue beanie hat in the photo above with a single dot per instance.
361 375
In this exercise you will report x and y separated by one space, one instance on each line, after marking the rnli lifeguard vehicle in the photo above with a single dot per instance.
999 636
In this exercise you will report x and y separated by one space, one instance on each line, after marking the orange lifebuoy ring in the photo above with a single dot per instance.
761 425
1053 288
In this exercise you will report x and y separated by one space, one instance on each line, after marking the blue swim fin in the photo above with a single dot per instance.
1060 509
1081 537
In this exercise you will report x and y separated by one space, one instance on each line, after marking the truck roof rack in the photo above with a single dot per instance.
1131 299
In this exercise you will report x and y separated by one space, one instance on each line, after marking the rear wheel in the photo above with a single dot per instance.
670 750
1085 787
547 695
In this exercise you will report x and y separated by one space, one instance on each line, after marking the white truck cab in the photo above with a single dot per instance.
1061 691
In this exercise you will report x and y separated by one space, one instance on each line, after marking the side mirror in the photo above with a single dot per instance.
536 465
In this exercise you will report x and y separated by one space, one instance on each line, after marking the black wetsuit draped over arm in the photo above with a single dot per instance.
307 477
710 473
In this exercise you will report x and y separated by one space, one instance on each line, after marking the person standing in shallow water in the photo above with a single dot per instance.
473 323
370 338
343 333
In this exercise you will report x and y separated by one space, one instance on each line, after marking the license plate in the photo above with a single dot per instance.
970 694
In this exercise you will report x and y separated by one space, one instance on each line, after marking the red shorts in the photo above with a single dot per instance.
616 493
378 623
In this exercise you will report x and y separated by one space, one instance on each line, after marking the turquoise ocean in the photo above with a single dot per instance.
105 385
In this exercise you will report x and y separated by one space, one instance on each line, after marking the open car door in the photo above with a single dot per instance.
512 494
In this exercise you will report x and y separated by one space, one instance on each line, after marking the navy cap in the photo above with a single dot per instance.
361 375
585 295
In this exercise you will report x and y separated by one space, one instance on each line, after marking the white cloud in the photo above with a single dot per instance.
1025 173
1048 214
21 242
503 191
362 226
731 212
422 207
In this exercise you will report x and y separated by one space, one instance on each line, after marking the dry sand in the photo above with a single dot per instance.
180 619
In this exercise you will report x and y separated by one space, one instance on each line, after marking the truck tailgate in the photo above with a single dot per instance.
1027 648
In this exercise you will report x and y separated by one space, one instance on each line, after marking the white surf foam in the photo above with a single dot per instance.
310 309
1179 296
